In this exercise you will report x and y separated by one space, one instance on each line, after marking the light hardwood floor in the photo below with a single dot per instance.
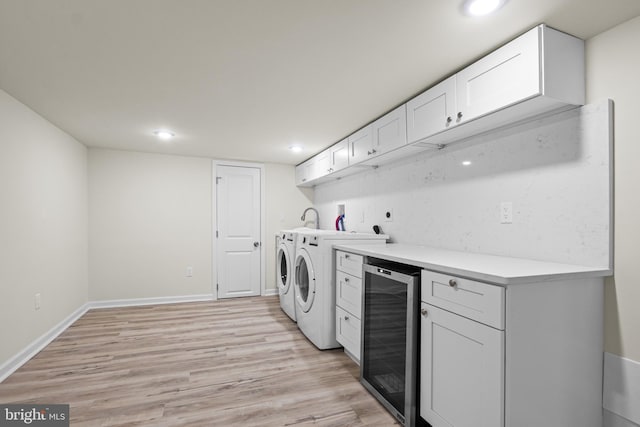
239 362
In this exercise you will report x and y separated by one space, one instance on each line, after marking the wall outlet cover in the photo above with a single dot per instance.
506 213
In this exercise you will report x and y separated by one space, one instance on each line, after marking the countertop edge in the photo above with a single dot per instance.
580 272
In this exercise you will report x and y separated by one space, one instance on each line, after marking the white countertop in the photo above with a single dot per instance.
488 268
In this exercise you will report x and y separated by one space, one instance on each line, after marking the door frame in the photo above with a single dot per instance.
214 228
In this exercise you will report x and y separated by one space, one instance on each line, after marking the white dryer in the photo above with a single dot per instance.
286 241
285 257
314 280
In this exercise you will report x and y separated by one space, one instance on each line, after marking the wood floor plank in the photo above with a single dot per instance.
239 362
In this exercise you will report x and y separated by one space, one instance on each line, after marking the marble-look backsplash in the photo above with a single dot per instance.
556 172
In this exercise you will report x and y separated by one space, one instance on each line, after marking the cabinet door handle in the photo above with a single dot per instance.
346 280
452 282
373 151
346 256
346 317
459 115
424 311
449 119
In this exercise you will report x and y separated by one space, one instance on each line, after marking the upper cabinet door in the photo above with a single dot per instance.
509 75
340 155
306 172
390 131
300 178
432 111
323 164
360 145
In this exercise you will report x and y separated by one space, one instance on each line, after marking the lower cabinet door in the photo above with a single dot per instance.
348 332
461 371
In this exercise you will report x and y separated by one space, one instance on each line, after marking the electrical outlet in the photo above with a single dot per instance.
189 271
506 213
38 301
388 215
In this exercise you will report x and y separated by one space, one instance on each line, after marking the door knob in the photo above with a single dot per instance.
256 244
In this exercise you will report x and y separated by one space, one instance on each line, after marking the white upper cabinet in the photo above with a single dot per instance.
360 145
339 155
390 131
385 134
432 111
541 71
322 163
306 172
504 77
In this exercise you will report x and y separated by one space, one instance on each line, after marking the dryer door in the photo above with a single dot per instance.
284 268
305 281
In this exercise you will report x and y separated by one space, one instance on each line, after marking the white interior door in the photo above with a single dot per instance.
238 230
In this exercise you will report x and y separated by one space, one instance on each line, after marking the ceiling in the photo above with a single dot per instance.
246 79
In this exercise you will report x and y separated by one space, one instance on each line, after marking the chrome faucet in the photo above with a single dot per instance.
317 215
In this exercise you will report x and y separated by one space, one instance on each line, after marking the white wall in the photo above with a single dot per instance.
149 218
613 67
43 226
554 171
285 204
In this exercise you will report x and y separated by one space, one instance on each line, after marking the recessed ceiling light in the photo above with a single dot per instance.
295 148
482 7
164 134
466 163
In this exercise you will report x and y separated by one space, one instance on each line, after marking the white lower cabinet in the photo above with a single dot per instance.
462 341
349 302
348 332
462 371
528 354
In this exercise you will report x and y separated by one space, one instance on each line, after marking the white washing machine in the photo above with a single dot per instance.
286 242
314 280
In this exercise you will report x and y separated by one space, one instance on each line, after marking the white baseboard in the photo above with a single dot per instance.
11 365
270 292
621 391
149 301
